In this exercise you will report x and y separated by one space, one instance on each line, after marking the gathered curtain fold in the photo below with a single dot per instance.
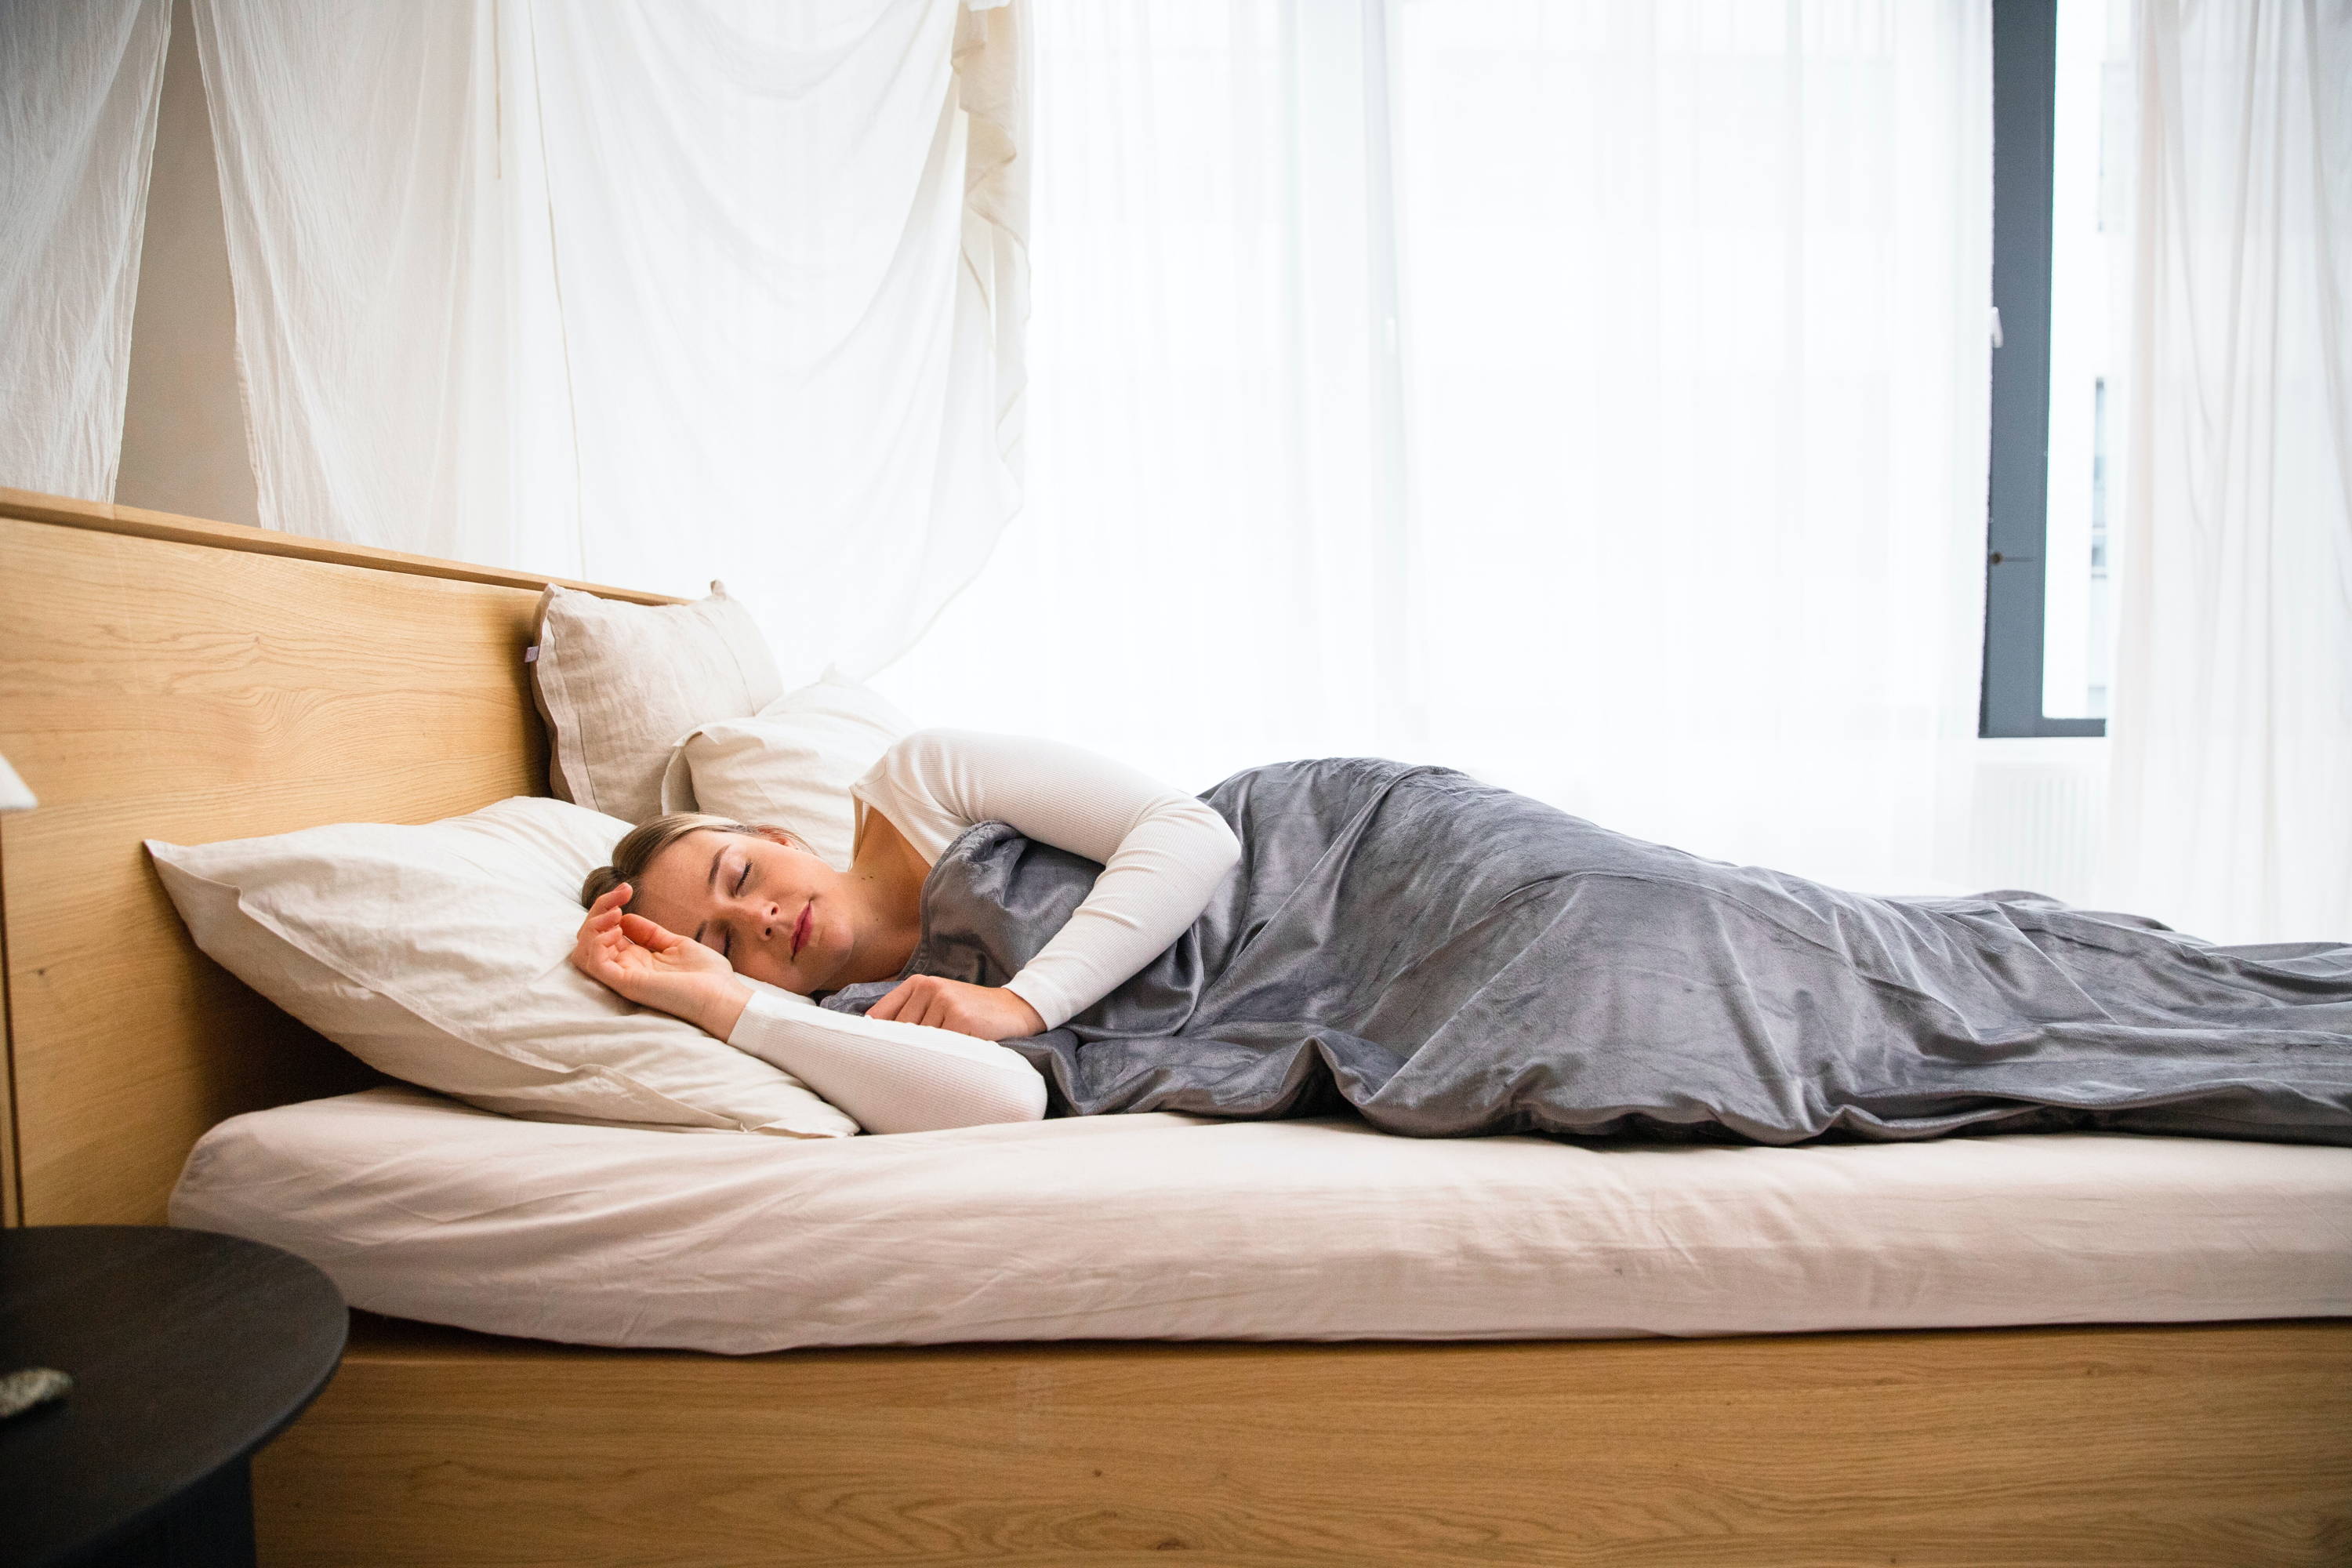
2230 800
646 293
79 88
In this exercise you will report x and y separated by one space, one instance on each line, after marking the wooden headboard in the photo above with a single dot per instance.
166 677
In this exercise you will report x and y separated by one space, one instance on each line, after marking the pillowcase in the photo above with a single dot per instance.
441 955
619 683
791 766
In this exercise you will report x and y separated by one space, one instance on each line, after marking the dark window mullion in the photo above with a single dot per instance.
2025 75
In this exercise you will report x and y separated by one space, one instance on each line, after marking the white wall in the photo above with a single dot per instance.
183 446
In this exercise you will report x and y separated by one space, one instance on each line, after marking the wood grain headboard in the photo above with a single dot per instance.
162 676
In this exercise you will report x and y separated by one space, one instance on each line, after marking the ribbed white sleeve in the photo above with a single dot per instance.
889 1076
1163 851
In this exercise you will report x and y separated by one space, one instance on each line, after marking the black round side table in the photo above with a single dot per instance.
188 1351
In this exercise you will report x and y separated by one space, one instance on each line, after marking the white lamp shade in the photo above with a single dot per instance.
13 795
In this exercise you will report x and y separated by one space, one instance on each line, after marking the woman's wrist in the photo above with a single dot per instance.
1043 999
720 1005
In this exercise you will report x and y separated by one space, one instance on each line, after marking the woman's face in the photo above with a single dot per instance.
776 912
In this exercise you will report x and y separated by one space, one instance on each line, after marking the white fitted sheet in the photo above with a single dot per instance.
1163 1226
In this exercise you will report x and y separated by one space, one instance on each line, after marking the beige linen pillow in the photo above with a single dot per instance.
441 955
619 683
791 766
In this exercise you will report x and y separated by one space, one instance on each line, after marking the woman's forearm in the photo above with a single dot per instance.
890 1077
1154 885
1163 853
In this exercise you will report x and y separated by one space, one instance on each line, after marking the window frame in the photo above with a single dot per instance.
2017 486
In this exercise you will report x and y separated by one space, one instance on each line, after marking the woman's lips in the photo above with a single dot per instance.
801 927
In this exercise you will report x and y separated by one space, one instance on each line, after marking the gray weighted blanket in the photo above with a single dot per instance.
1449 958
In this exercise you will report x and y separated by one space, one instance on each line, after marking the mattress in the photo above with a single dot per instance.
1166 1227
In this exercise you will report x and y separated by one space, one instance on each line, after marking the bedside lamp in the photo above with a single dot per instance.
13 795
37 1385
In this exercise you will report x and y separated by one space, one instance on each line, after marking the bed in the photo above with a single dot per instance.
1158 1225
167 677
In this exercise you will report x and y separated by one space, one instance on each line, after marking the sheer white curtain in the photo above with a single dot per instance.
1699 369
775 362
356 146
1590 395
650 293
79 90
1190 585
2232 781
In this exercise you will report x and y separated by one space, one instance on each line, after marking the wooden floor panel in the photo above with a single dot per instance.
2065 1447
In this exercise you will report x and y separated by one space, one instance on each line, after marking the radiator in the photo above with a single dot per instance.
2039 816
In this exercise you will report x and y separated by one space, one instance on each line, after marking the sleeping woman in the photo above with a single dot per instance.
1444 957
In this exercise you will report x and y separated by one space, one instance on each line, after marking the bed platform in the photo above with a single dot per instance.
2052 1448
166 677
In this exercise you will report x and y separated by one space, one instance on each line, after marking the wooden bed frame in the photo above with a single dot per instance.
169 677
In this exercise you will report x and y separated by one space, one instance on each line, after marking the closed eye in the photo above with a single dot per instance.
743 878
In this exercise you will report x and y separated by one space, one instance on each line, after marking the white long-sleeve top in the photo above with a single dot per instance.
1163 853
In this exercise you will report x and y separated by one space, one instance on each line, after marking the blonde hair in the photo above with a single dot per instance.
638 846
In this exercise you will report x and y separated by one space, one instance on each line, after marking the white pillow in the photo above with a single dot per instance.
791 766
440 954
619 683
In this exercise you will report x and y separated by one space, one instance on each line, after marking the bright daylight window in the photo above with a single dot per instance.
2060 90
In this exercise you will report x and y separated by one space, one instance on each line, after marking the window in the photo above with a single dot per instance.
2056 248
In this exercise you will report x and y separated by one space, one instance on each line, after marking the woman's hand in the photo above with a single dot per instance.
990 1012
657 968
